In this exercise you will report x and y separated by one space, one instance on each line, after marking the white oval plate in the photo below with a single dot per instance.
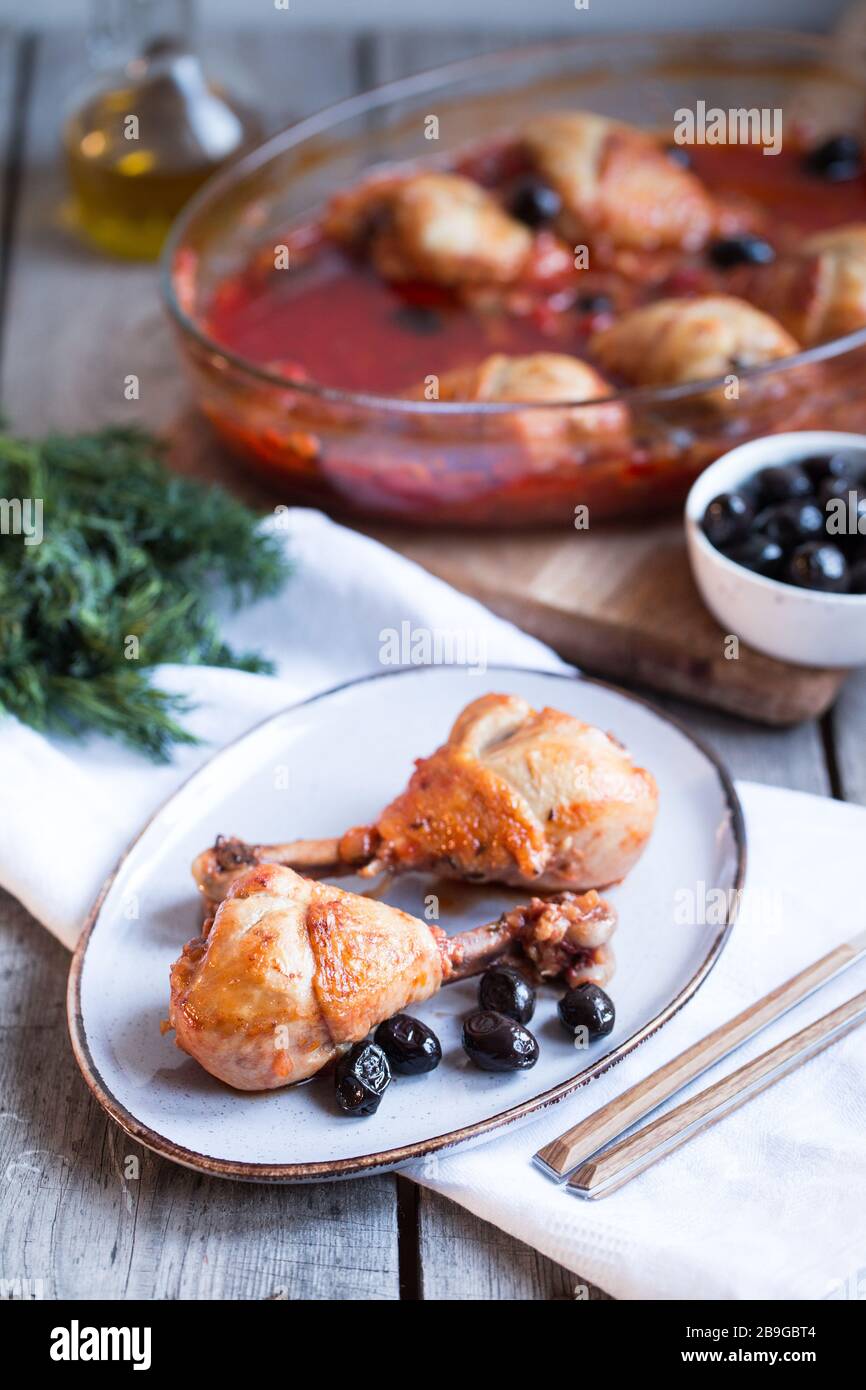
316 769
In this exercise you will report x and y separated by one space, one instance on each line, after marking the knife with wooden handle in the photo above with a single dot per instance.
621 1162
558 1158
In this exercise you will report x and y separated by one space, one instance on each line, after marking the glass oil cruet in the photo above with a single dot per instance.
149 130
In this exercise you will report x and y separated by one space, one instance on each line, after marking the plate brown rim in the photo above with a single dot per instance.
392 1158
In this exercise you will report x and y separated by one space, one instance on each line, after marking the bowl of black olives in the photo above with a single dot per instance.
776 532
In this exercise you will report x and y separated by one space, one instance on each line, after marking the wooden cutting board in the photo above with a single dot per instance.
619 601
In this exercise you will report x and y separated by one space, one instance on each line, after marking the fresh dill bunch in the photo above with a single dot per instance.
130 559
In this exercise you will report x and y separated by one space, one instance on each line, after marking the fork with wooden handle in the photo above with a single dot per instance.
560 1157
621 1162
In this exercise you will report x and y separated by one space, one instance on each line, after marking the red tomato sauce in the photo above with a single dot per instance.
342 326
331 320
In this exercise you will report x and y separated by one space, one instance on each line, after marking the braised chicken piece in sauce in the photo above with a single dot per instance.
675 341
496 265
616 184
820 292
437 227
541 376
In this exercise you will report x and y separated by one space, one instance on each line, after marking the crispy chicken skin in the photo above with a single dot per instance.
522 797
541 376
533 799
681 340
820 292
438 227
617 184
291 972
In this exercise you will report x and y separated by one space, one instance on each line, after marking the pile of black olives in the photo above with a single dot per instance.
495 1038
801 523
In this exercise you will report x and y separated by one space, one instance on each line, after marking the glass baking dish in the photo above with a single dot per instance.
432 462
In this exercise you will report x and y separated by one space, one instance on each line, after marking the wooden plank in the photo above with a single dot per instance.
781 757
396 53
13 72
76 324
11 50
619 599
63 362
93 1215
848 726
465 1258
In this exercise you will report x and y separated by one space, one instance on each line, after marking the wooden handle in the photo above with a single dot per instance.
573 1147
623 1161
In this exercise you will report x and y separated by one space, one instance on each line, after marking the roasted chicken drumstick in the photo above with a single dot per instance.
291 971
530 798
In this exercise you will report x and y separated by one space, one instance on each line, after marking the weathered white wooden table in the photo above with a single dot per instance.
73 326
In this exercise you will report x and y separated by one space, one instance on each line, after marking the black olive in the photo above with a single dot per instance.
857 578
678 154
816 468
594 303
410 1046
534 203
836 160
728 518
587 1007
759 554
847 463
496 1043
362 1077
744 249
832 489
791 522
505 991
844 504
784 481
419 318
817 565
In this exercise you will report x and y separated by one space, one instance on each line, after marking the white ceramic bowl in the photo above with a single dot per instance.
798 625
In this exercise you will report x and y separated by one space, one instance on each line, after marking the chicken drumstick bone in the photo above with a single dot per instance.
292 971
529 798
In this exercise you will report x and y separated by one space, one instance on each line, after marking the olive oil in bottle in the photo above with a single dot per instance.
149 131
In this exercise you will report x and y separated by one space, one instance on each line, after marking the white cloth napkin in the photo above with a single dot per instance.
767 1204
67 811
770 1202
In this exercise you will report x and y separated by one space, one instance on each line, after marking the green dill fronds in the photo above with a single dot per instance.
130 560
